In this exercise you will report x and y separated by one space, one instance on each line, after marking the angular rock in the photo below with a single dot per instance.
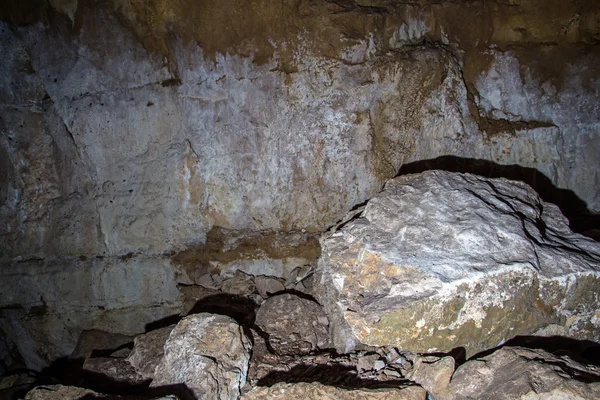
148 351
520 373
433 374
116 369
317 391
95 339
294 325
441 260
266 285
208 353
60 392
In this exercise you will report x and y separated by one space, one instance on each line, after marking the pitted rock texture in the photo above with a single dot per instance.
316 391
136 127
148 351
293 325
140 130
440 260
209 353
525 374
48 303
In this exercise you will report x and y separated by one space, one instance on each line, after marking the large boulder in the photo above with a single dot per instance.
520 373
440 260
294 325
209 353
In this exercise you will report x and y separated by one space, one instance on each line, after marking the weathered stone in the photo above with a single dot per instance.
240 283
95 339
58 300
126 127
267 285
294 325
148 351
317 391
520 373
440 260
60 392
433 374
207 352
116 369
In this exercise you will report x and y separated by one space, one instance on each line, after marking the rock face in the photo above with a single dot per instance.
441 260
519 373
294 325
131 128
207 352
316 391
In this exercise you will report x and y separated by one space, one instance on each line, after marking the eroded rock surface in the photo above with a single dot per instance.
293 325
315 391
209 354
148 351
520 373
133 128
441 260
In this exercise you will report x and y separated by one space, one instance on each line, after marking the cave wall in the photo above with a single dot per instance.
132 129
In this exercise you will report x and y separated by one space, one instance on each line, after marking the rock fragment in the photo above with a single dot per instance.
148 351
440 260
294 325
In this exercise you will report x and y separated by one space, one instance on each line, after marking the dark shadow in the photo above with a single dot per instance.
338 375
70 372
581 220
241 308
582 351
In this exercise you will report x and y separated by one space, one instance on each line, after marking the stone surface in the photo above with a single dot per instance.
116 369
520 373
207 352
95 339
293 325
266 286
433 374
60 392
131 128
46 304
148 351
314 391
441 260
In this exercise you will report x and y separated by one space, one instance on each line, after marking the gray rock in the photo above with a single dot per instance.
59 392
116 369
267 285
294 325
317 391
433 374
207 352
520 373
440 260
148 351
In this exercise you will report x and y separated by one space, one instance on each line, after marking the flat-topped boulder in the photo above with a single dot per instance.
440 260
